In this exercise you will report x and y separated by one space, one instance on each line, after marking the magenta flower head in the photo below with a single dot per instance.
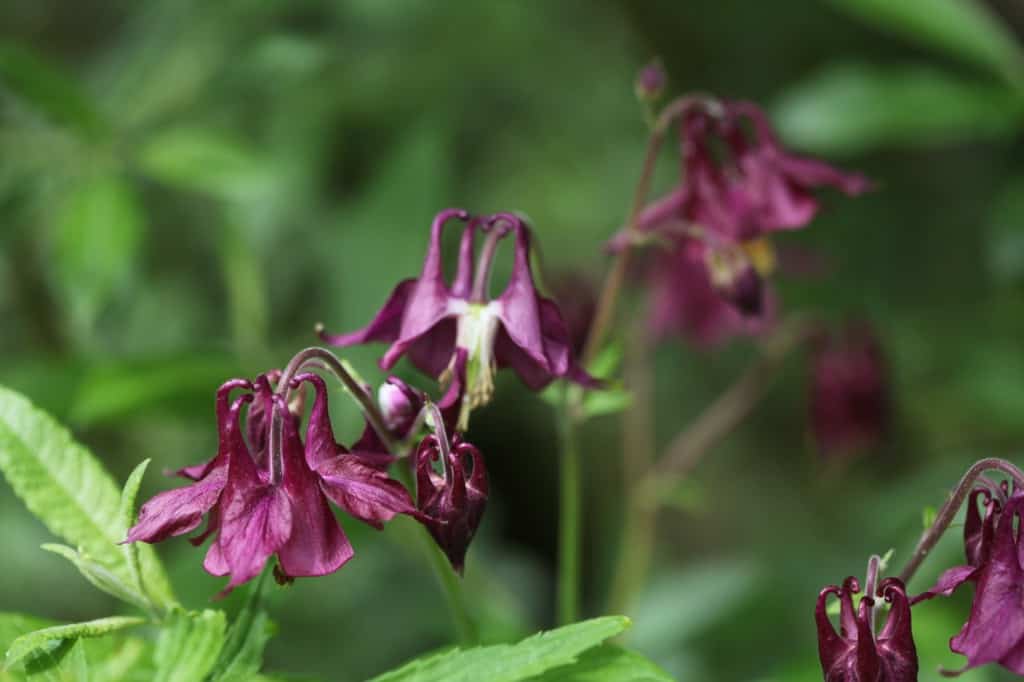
271 499
849 391
856 653
451 502
429 319
650 81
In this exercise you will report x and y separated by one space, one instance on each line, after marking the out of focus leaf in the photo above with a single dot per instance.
511 662
68 490
607 663
852 108
109 391
247 292
1006 234
46 639
963 28
46 88
188 645
710 592
207 161
97 232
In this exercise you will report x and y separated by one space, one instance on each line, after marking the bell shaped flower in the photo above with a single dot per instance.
429 319
264 499
451 502
994 631
856 653
849 391
979 533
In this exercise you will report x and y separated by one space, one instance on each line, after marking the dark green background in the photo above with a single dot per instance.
187 187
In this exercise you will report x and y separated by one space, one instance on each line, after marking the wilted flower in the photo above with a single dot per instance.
430 320
849 391
856 653
261 502
452 502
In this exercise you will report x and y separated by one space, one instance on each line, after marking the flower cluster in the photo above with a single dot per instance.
739 186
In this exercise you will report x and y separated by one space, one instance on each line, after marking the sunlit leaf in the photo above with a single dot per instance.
68 490
242 654
101 577
853 108
607 663
40 641
188 645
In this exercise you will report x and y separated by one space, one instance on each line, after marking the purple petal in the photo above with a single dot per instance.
385 326
519 308
366 493
256 523
179 511
948 582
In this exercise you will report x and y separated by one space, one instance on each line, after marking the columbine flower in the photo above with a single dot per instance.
849 399
994 632
738 186
452 503
856 653
261 502
429 320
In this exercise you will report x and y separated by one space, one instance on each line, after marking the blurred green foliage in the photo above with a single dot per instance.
187 187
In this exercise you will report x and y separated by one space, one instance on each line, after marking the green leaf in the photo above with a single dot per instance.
510 662
68 490
97 231
48 89
608 400
208 161
1005 234
242 655
963 28
188 646
47 639
607 663
127 514
101 577
852 108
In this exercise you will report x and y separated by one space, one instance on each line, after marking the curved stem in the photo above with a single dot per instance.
313 356
442 437
952 506
484 265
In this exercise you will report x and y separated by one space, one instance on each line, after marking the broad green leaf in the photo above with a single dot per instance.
68 490
101 577
49 638
242 654
607 663
208 161
48 89
963 28
188 646
127 513
510 662
852 108
14 625
97 231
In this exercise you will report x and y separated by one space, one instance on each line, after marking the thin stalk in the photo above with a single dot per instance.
465 628
952 506
569 540
636 542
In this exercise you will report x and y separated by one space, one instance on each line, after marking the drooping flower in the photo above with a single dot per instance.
452 502
429 319
261 502
856 653
849 391
739 185
994 632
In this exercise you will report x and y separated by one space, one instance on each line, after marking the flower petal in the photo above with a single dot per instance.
363 491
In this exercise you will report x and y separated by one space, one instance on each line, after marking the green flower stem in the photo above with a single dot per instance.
569 518
465 628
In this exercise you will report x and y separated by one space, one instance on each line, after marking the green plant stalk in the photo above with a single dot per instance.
465 628
569 509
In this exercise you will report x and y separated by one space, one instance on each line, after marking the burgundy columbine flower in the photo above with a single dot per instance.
685 302
994 632
260 502
856 653
849 391
429 319
452 503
